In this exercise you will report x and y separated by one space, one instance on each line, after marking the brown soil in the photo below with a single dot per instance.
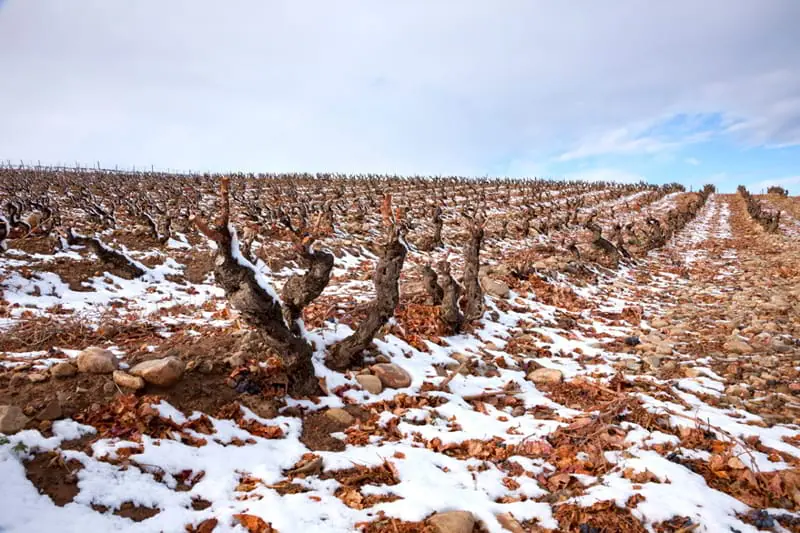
198 504
197 265
195 391
52 476
207 392
317 429
34 245
133 240
136 513
73 273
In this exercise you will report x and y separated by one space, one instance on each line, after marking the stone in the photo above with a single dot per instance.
653 338
263 407
128 381
38 377
162 372
12 419
340 415
737 346
669 366
664 348
633 365
391 375
509 523
489 371
51 411
632 340
780 347
63 370
546 375
653 361
645 348
659 323
94 360
769 362
691 372
370 383
462 359
495 287
452 522
236 360
738 391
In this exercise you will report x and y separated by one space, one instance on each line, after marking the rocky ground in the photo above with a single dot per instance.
662 396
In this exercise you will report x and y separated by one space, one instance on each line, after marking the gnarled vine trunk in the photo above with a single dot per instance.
381 309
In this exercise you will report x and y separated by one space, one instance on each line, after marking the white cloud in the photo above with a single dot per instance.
618 141
791 183
692 161
413 86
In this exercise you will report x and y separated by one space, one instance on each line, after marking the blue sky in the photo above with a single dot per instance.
686 91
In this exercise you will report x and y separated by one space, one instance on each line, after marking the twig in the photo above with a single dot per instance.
449 378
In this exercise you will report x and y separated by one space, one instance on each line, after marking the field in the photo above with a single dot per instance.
301 353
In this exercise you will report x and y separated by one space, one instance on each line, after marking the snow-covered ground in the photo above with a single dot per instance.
638 463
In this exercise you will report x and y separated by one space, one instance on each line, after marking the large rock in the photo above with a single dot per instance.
659 323
128 381
51 411
162 372
546 375
38 377
94 360
452 522
392 376
12 419
495 287
653 361
664 348
780 346
63 370
737 346
370 383
340 415
738 391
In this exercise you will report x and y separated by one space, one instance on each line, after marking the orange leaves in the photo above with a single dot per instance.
206 526
634 500
639 478
534 448
233 411
248 484
260 430
418 323
129 417
353 479
351 497
254 524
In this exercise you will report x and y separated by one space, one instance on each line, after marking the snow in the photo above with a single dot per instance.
429 481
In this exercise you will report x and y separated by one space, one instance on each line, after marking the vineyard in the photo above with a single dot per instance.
333 353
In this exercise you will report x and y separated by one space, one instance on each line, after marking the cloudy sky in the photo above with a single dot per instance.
686 91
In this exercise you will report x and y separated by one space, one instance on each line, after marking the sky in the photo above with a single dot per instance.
680 91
